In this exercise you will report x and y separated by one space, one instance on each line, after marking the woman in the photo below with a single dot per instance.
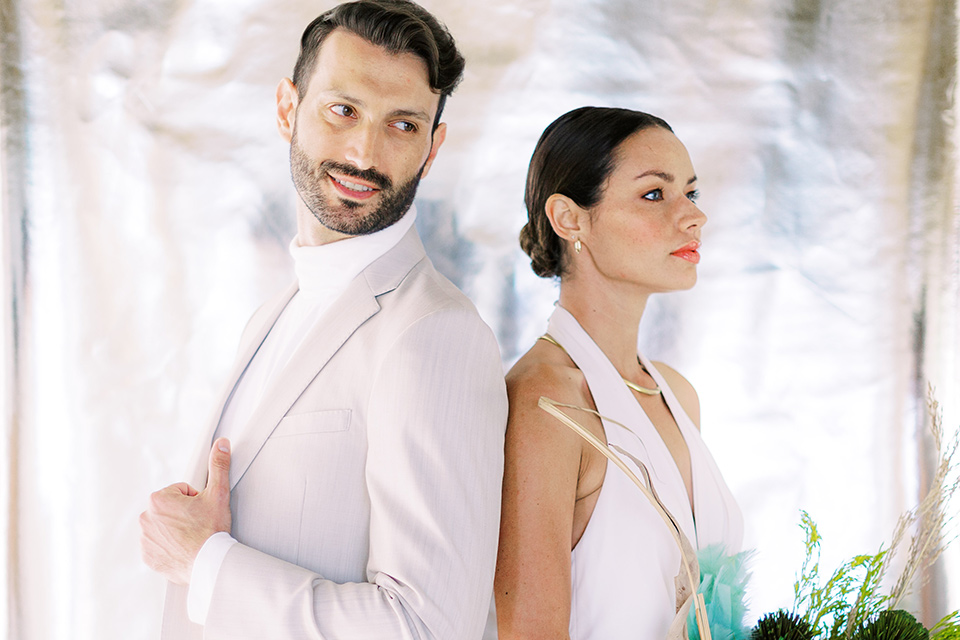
611 198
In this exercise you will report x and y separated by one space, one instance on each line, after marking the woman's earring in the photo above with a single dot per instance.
576 244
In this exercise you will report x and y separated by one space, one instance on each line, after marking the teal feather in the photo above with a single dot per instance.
723 583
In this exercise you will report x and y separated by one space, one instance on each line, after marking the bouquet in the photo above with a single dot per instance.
851 604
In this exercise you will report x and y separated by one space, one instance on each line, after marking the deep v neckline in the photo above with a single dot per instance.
690 489
638 434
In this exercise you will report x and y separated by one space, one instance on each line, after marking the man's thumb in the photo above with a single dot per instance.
218 469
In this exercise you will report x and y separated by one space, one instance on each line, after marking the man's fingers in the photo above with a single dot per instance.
183 488
178 520
218 478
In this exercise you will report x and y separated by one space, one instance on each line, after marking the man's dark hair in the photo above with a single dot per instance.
574 157
399 26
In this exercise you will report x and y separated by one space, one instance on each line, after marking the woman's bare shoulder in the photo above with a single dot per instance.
546 371
683 390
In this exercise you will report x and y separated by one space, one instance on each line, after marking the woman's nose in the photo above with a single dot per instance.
693 217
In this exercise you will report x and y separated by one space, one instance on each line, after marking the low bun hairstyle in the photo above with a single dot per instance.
574 157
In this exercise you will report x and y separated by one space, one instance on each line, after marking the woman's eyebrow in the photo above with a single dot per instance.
667 177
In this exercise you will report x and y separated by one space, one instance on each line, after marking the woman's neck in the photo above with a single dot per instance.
610 315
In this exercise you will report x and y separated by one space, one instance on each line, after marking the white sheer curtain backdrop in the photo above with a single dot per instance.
147 209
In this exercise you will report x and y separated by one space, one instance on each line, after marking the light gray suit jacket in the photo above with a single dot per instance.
366 486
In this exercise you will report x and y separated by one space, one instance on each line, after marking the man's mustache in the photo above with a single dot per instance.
371 176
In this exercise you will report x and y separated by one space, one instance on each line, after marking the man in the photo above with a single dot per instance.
366 408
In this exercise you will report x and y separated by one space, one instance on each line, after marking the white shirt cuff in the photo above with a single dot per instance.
206 566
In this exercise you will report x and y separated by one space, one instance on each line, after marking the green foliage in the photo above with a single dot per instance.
849 604
948 628
781 625
869 600
827 607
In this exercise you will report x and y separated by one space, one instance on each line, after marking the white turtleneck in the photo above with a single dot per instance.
323 273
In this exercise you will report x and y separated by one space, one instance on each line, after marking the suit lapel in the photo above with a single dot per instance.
253 336
351 310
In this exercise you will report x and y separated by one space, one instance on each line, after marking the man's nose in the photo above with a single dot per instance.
363 148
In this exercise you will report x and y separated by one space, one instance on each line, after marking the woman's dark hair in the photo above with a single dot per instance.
399 26
574 157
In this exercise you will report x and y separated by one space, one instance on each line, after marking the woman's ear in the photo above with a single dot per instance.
287 100
568 219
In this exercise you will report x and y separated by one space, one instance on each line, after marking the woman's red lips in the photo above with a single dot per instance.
688 252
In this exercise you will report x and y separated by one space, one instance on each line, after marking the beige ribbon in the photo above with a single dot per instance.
686 583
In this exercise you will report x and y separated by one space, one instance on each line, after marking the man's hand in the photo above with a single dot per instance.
179 519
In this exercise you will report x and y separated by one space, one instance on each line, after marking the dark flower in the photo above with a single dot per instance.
781 625
893 625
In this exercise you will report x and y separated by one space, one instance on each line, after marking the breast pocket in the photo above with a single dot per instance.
330 421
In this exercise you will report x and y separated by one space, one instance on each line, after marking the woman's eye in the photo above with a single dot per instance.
694 195
343 110
656 194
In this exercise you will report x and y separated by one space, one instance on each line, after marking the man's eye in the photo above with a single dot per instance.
343 110
656 194
403 125
694 195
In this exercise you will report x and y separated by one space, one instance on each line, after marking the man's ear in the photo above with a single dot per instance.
568 219
287 100
439 135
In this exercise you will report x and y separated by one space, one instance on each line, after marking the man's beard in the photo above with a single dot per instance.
342 216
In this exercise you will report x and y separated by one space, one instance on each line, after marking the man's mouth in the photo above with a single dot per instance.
353 185
352 189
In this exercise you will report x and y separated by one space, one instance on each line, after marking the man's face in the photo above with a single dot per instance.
360 138
344 214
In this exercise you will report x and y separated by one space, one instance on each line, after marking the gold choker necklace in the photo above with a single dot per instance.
644 390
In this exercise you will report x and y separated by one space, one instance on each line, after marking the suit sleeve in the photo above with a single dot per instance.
434 467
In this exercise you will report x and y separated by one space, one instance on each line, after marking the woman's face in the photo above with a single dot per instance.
646 228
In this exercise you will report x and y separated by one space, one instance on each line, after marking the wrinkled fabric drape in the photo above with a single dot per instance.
147 208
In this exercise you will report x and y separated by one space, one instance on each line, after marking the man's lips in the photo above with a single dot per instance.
688 252
352 188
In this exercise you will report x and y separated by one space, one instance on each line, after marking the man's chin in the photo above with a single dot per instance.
353 224
353 205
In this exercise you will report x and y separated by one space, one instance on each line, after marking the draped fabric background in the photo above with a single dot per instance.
147 208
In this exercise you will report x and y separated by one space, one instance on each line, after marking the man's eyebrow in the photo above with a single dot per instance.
666 177
340 95
413 114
